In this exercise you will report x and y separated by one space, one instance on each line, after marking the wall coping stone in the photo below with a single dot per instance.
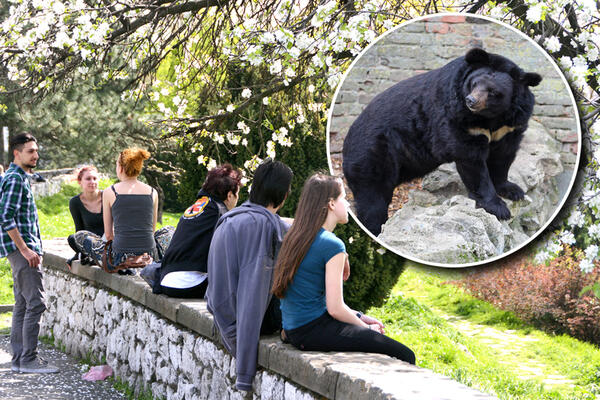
348 376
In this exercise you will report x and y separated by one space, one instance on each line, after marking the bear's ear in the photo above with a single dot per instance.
477 56
532 79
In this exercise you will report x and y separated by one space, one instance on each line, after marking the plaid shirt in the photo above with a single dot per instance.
18 210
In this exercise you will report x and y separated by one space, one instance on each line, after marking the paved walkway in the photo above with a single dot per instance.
65 385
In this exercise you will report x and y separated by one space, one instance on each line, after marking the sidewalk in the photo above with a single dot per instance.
67 384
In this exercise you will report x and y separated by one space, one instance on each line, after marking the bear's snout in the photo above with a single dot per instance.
470 101
476 101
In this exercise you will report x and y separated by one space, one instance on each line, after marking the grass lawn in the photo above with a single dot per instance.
470 341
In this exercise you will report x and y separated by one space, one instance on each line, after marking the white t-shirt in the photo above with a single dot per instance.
183 279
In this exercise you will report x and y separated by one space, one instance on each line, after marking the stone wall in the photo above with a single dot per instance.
55 178
170 347
431 43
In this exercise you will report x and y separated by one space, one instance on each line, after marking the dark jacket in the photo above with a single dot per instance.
240 270
188 250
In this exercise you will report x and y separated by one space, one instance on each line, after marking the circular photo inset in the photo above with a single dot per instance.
457 137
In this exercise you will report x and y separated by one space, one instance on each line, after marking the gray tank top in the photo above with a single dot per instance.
133 223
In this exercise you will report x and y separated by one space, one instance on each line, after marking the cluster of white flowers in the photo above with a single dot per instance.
243 127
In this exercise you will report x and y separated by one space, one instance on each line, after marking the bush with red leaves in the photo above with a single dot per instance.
549 296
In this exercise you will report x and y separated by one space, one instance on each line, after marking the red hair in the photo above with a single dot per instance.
86 168
132 161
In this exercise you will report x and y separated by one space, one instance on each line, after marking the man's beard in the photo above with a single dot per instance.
29 166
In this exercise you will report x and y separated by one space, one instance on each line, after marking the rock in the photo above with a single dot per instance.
175 355
218 386
441 224
272 387
148 362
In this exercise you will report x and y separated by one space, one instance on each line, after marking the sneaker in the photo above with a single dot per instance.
15 368
38 366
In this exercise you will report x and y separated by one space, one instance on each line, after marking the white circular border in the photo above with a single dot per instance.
567 87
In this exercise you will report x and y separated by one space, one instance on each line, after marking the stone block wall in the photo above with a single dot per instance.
144 349
170 346
431 43
55 178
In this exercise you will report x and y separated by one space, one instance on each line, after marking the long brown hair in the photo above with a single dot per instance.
310 216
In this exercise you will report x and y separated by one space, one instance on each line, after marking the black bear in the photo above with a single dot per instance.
472 111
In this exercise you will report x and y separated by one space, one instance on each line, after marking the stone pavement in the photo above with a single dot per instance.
64 385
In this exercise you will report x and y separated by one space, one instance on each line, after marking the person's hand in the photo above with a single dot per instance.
373 321
32 257
346 273
376 327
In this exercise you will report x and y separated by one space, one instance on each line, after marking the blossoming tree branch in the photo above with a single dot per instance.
259 74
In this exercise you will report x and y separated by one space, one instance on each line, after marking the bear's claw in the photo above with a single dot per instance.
510 191
496 207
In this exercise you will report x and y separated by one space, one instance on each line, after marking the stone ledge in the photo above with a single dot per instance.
360 376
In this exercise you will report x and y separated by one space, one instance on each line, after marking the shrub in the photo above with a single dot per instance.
549 296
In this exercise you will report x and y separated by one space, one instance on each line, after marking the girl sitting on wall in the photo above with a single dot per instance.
130 213
86 211
308 277
183 272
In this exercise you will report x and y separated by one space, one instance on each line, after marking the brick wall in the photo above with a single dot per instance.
429 44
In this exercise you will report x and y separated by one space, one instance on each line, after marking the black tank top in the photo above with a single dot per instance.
133 223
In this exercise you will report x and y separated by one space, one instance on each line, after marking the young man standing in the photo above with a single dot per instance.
240 268
21 243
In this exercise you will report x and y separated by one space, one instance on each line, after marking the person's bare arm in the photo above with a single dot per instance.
108 198
334 293
155 208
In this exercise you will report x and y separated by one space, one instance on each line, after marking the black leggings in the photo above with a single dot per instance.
328 334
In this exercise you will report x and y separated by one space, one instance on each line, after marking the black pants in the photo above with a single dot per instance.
194 292
328 334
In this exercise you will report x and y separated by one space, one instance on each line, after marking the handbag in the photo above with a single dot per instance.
130 262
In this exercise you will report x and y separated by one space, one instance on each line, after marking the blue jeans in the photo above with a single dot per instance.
29 306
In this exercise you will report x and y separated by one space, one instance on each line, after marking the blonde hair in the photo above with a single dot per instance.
132 161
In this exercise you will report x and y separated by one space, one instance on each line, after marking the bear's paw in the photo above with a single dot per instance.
510 191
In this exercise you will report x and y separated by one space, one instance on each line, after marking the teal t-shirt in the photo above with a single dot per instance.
304 298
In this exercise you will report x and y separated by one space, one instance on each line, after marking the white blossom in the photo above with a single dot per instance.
275 68
246 93
576 219
554 248
230 108
271 149
591 252
594 231
534 13
294 52
586 266
567 237
243 127
552 44
265 101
